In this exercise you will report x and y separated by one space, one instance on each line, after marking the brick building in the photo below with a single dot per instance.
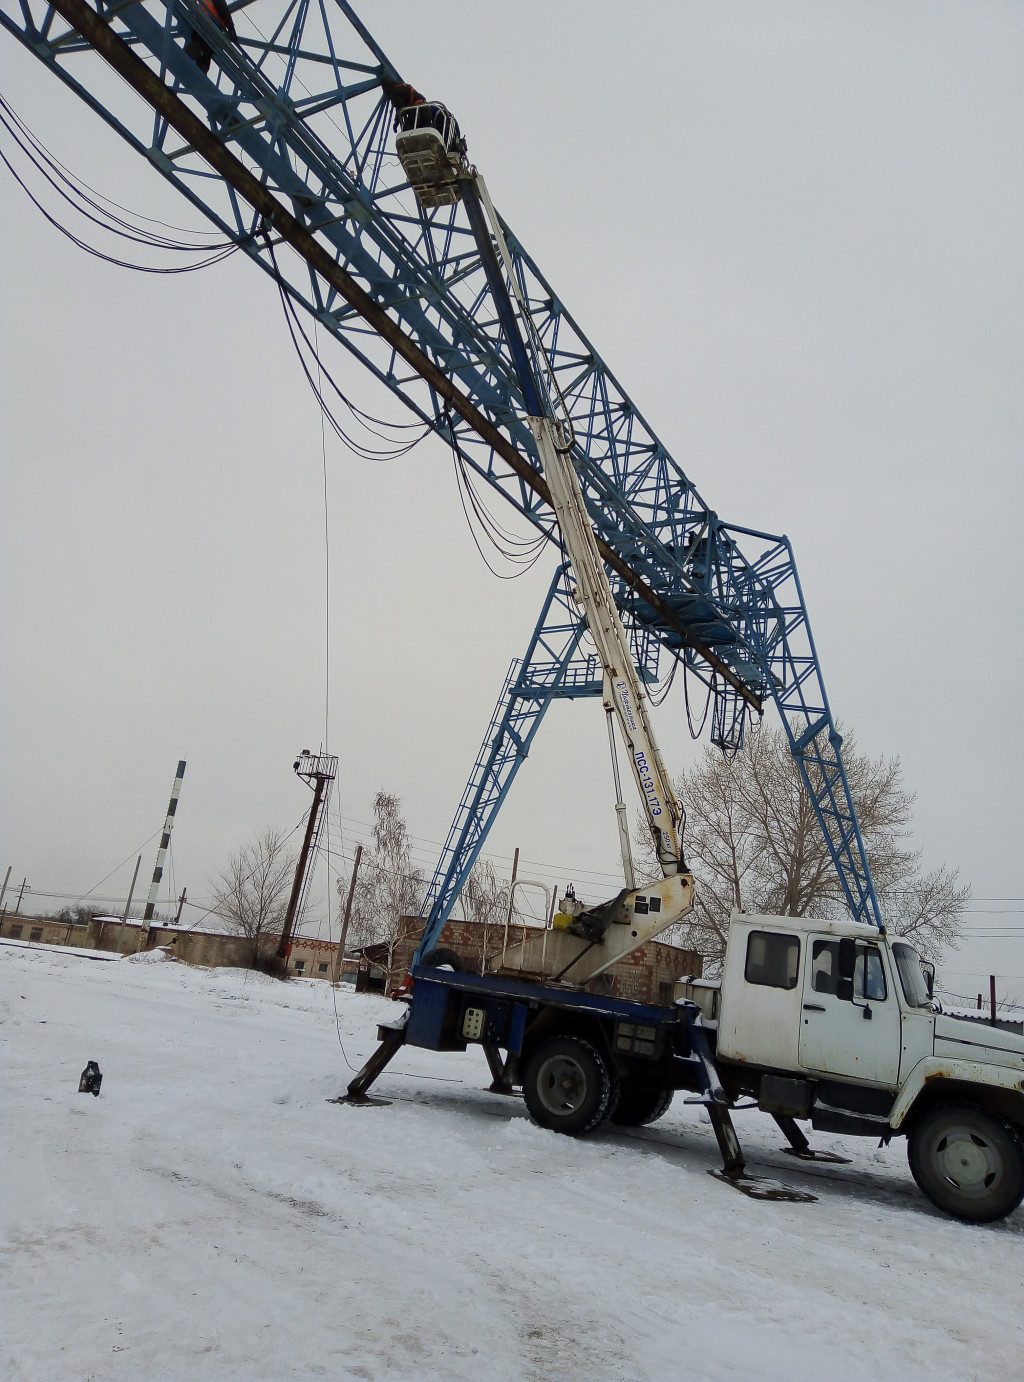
209 948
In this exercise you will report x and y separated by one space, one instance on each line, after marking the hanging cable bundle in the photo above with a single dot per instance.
696 733
521 552
659 697
300 338
101 211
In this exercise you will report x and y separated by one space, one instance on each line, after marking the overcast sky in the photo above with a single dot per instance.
793 231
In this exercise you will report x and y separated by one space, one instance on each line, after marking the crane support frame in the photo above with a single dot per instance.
298 117
554 667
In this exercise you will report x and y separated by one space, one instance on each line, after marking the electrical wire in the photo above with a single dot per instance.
695 734
121 865
299 338
523 553
57 173
83 200
968 999
429 849
658 698
324 845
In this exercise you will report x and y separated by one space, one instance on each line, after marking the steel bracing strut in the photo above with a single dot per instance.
288 141
554 667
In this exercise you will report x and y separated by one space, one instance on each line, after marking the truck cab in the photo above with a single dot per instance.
786 1004
834 1021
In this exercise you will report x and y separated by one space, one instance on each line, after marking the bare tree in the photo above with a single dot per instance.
484 900
78 915
389 888
753 842
251 894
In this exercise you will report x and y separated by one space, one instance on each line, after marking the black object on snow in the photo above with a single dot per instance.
91 1080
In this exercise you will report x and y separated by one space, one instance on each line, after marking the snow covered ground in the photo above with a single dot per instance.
210 1215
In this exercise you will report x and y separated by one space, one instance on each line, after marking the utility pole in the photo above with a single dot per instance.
21 894
512 899
339 959
318 771
3 909
181 904
165 840
992 998
128 904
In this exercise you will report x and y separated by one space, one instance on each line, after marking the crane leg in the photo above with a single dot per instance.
391 1041
500 1081
793 1134
733 1161
798 1144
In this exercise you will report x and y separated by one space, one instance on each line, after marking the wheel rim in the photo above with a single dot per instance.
561 1085
967 1160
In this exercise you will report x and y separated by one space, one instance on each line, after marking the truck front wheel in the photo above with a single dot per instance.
568 1086
967 1161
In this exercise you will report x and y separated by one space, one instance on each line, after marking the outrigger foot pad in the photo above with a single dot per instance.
761 1188
360 1101
809 1154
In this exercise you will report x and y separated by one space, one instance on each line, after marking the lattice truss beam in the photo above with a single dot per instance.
560 663
299 100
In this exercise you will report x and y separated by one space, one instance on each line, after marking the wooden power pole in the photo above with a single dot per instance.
339 959
319 771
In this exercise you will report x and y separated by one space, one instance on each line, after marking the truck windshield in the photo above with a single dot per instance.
908 964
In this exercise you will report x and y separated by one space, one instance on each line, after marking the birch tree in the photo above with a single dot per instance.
484 901
389 887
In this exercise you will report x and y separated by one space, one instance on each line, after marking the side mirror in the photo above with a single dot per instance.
847 969
928 970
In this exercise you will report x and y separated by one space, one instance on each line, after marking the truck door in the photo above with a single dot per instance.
858 1038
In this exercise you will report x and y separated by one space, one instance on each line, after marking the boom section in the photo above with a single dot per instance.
554 441
594 594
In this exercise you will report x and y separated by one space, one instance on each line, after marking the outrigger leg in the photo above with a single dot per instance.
392 1039
718 1105
716 1101
733 1162
798 1144
501 1082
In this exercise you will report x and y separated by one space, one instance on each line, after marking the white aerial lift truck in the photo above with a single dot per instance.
831 1022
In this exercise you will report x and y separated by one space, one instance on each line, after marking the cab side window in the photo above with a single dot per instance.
868 976
772 960
824 966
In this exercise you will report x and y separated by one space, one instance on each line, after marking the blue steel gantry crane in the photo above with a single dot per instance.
287 139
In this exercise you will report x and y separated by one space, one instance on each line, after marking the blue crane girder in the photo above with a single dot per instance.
554 667
299 100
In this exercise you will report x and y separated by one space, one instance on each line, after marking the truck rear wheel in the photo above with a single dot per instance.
640 1104
967 1161
568 1086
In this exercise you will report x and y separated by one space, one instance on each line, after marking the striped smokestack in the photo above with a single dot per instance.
165 840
